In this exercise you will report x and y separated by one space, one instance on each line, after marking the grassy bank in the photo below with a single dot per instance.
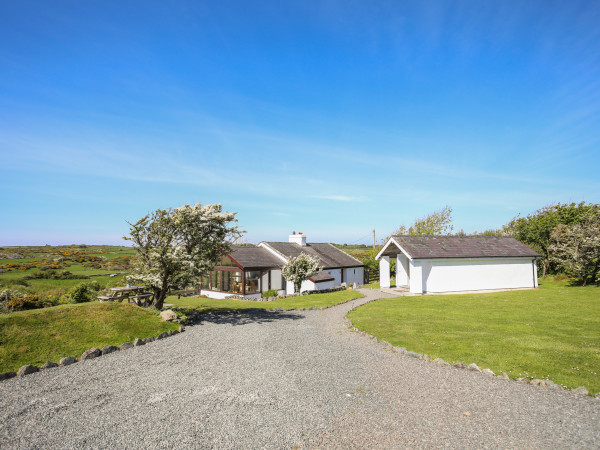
37 336
552 332
305 301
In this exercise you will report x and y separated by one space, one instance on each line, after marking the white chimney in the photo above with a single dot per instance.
299 239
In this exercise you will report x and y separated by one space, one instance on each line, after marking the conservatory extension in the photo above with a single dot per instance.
247 271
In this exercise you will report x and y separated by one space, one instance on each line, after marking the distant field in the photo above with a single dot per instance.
553 332
96 261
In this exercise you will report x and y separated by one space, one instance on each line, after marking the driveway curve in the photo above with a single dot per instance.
283 380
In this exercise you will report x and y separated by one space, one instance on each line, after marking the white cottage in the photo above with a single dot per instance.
249 271
458 263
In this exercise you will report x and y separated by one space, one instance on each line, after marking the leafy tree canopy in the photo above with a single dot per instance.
301 268
437 223
176 246
575 248
536 229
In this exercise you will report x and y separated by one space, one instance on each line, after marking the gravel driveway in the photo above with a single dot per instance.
279 380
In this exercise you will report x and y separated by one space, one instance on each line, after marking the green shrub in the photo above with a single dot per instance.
82 293
270 293
25 302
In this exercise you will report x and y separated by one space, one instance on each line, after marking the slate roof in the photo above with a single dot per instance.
321 277
255 257
430 247
331 257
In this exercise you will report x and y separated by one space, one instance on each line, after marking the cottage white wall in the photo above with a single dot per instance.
306 285
416 279
402 273
354 275
277 281
264 282
384 272
336 274
469 275
222 295
325 285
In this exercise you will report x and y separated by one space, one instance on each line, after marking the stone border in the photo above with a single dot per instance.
581 390
94 352
270 299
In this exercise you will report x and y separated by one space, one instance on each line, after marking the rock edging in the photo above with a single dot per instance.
91 353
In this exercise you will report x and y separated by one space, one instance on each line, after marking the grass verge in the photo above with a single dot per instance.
550 333
37 336
305 301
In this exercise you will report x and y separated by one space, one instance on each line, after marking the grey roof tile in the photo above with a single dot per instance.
425 247
331 257
255 257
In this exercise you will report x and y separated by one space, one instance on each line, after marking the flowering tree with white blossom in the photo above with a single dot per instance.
301 268
176 246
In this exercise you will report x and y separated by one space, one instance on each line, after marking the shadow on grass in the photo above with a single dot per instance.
239 317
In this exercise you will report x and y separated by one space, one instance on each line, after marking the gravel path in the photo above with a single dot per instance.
279 380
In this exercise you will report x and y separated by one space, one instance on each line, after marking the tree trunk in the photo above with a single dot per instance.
544 269
297 286
159 298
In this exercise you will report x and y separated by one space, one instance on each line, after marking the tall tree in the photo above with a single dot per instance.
437 223
576 248
176 246
301 268
536 229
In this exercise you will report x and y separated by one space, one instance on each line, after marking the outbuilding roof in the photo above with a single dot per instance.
331 257
252 257
431 247
321 277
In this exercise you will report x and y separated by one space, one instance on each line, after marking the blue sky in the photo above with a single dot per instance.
331 118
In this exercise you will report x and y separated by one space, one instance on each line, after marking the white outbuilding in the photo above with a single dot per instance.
457 263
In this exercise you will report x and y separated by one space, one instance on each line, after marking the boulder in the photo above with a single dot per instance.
168 315
162 335
522 380
126 346
414 355
459 365
504 376
67 360
425 357
581 390
181 328
537 382
26 370
7 375
148 340
474 367
49 365
137 342
400 349
93 352
109 349
488 372
441 362
552 385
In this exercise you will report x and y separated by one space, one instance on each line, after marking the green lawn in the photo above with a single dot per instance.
305 301
552 332
37 336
